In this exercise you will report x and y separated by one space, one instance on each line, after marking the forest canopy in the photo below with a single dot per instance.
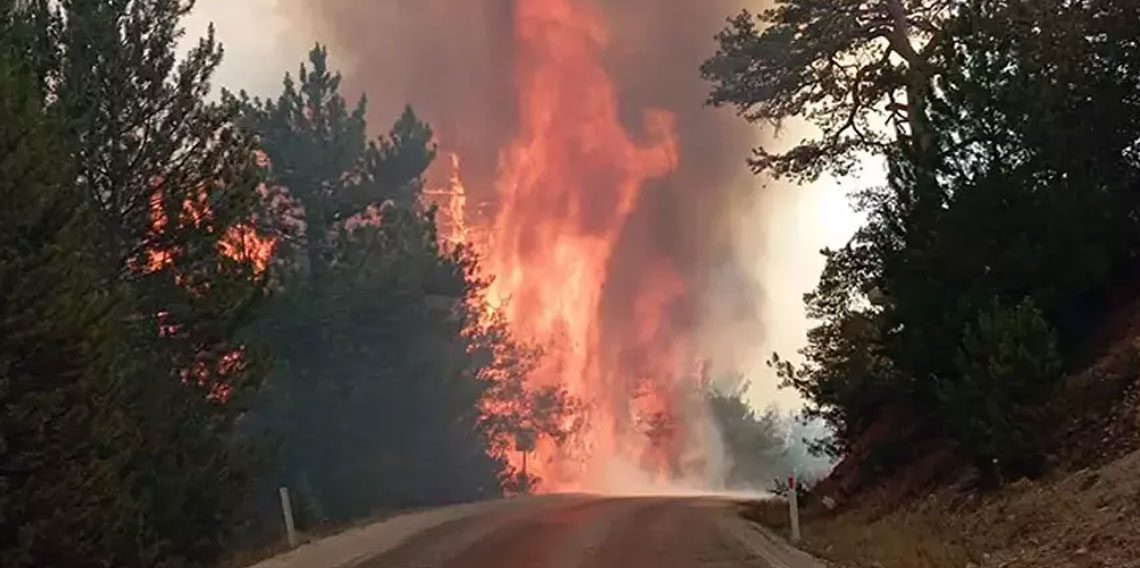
1008 223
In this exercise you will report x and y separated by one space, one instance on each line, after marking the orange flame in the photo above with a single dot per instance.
567 186
452 203
241 242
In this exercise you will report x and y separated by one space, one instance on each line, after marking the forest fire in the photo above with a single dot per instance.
567 185
242 243
600 195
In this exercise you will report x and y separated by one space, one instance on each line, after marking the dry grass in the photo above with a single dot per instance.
897 541
910 541
1084 513
1085 518
772 513
248 557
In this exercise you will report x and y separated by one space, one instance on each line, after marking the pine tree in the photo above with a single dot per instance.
65 440
383 359
1009 369
911 314
319 151
374 393
125 289
173 181
847 67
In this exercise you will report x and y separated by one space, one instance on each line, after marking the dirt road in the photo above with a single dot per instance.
567 532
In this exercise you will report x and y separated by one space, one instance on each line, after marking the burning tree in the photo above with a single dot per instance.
384 364
110 455
514 413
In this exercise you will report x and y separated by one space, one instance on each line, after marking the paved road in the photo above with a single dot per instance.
567 532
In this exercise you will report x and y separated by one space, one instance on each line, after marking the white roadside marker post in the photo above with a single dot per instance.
794 508
287 511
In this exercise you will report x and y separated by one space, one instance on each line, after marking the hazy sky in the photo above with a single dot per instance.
780 234
260 43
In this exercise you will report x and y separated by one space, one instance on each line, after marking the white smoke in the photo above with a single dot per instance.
261 44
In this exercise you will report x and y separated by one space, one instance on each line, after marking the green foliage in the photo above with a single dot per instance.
373 394
383 357
57 482
121 378
755 444
987 198
846 380
845 66
1008 369
146 140
322 158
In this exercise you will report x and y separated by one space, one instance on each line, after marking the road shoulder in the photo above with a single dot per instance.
357 545
766 544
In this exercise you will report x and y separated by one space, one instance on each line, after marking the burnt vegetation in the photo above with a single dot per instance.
1006 235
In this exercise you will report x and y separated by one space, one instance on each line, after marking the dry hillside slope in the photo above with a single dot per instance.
1085 512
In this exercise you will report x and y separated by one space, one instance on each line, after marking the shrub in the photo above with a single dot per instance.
1008 369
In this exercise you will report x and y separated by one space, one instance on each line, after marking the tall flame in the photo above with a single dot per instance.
452 203
566 188
616 238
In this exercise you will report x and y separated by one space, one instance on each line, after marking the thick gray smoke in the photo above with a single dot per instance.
451 59
659 46
454 61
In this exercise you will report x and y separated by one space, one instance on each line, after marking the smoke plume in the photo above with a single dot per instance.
675 287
